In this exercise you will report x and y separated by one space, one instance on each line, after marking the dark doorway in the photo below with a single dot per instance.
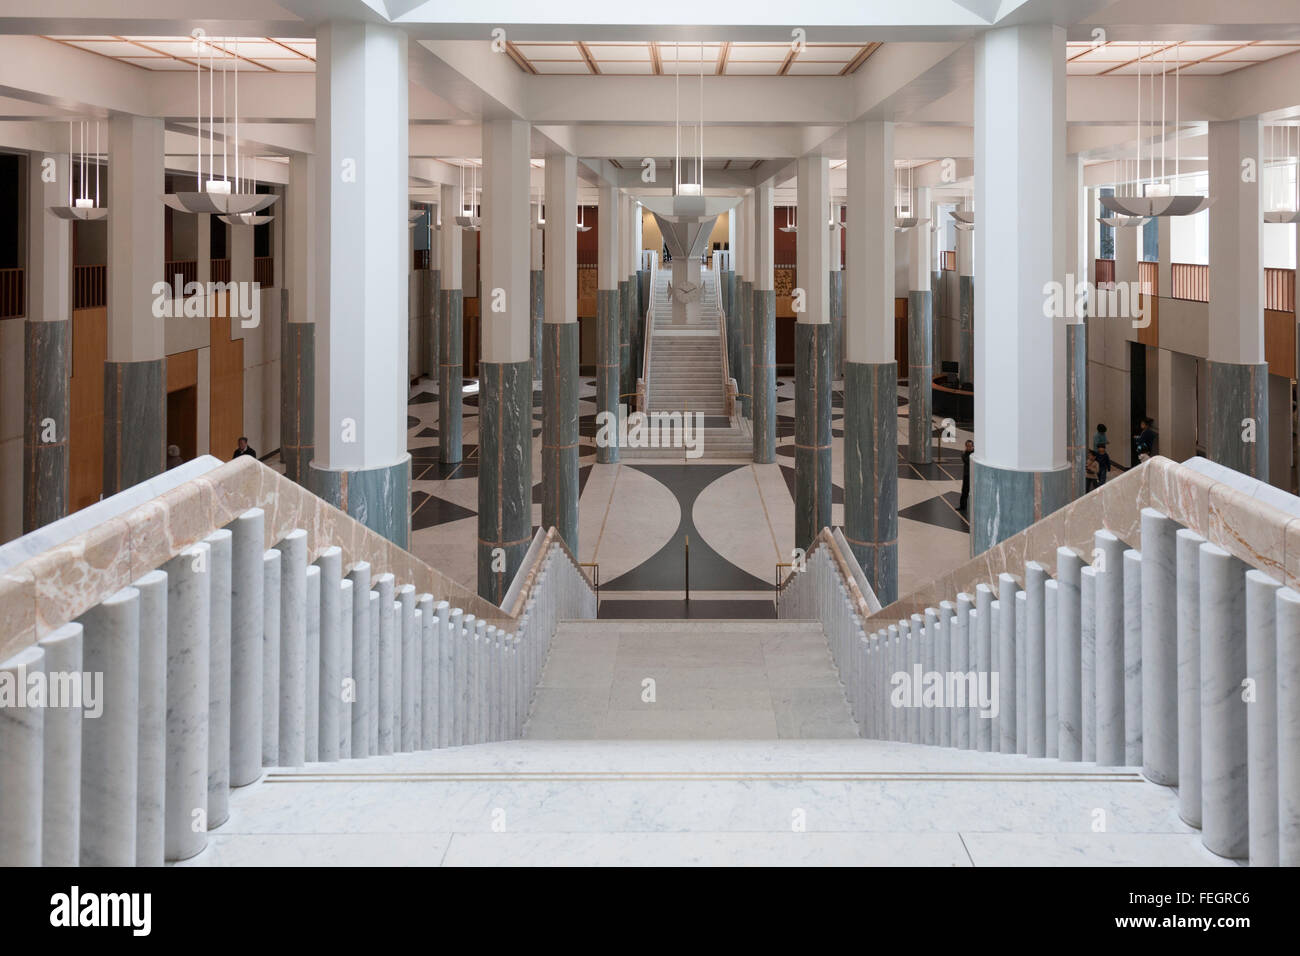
183 422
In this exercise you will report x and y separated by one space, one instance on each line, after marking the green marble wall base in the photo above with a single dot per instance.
744 368
966 334
380 498
536 313
638 323
1076 399
763 376
937 310
135 423
837 322
607 371
505 500
297 398
871 472
560 430
1237 430
726 289
812 430
920 372
732 310
47 350
451 375
1005 501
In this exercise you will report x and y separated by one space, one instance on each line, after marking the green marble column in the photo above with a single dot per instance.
871 472
560 430
297 398
812 486
135 423
451 375
607 372
47 349
763 377
505 474
1237 430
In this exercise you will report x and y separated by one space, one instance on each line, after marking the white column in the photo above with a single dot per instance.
506 246
869 252
361 279
1020 368
813 243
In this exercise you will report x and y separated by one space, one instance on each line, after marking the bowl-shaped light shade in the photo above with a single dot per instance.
246 219
215 203
965 216
1152 206
1282 216
1122 222
83 213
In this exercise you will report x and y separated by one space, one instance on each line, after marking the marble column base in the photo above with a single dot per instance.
626 386
505 501
966 305
560 430
536 313
812 386
451 374
135 423
433 296
380 498
47 348
1005 501
638 322
920 367
297 398
744 372
1076 400
607 370
837 322
936 286
1238 393
871 472
763 376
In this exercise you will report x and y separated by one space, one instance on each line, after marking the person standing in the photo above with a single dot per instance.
965 475
244 448
1102 455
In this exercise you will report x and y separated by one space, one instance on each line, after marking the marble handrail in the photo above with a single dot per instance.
550 540
1245 526
53 588
643 383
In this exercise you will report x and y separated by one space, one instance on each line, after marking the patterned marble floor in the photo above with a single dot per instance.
635 518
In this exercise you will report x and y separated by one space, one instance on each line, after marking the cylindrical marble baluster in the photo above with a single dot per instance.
247 597
1022 684
345 692
390 691
311 668
189 615
959 706
485 671
459 670
1187 562
22 748
60 821
1261 717
916 675
293 648
891 667
151 758
468 672
1159 649
329 687
943 715
995 679
443 701
1007 590
219 585
110 743
406 734
929 723
1288 727
362 677
971 681
375 619
1108 655
1132 659
1087 660
1069 660
271 658
1051 719
427 700
982 738
1225 808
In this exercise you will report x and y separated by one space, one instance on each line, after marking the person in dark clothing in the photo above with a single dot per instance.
244 448
1145 443
1101 453
965 475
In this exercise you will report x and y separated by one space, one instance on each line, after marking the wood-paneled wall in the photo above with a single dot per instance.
226 389
86 400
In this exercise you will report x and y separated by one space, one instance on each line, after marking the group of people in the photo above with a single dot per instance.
1099 463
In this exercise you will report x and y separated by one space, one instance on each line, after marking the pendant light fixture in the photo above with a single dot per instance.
1157 196
1284 203
911 220
246 218
695 188
218 196
541 208
582 226
468 219
790 224
83 206
963 219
